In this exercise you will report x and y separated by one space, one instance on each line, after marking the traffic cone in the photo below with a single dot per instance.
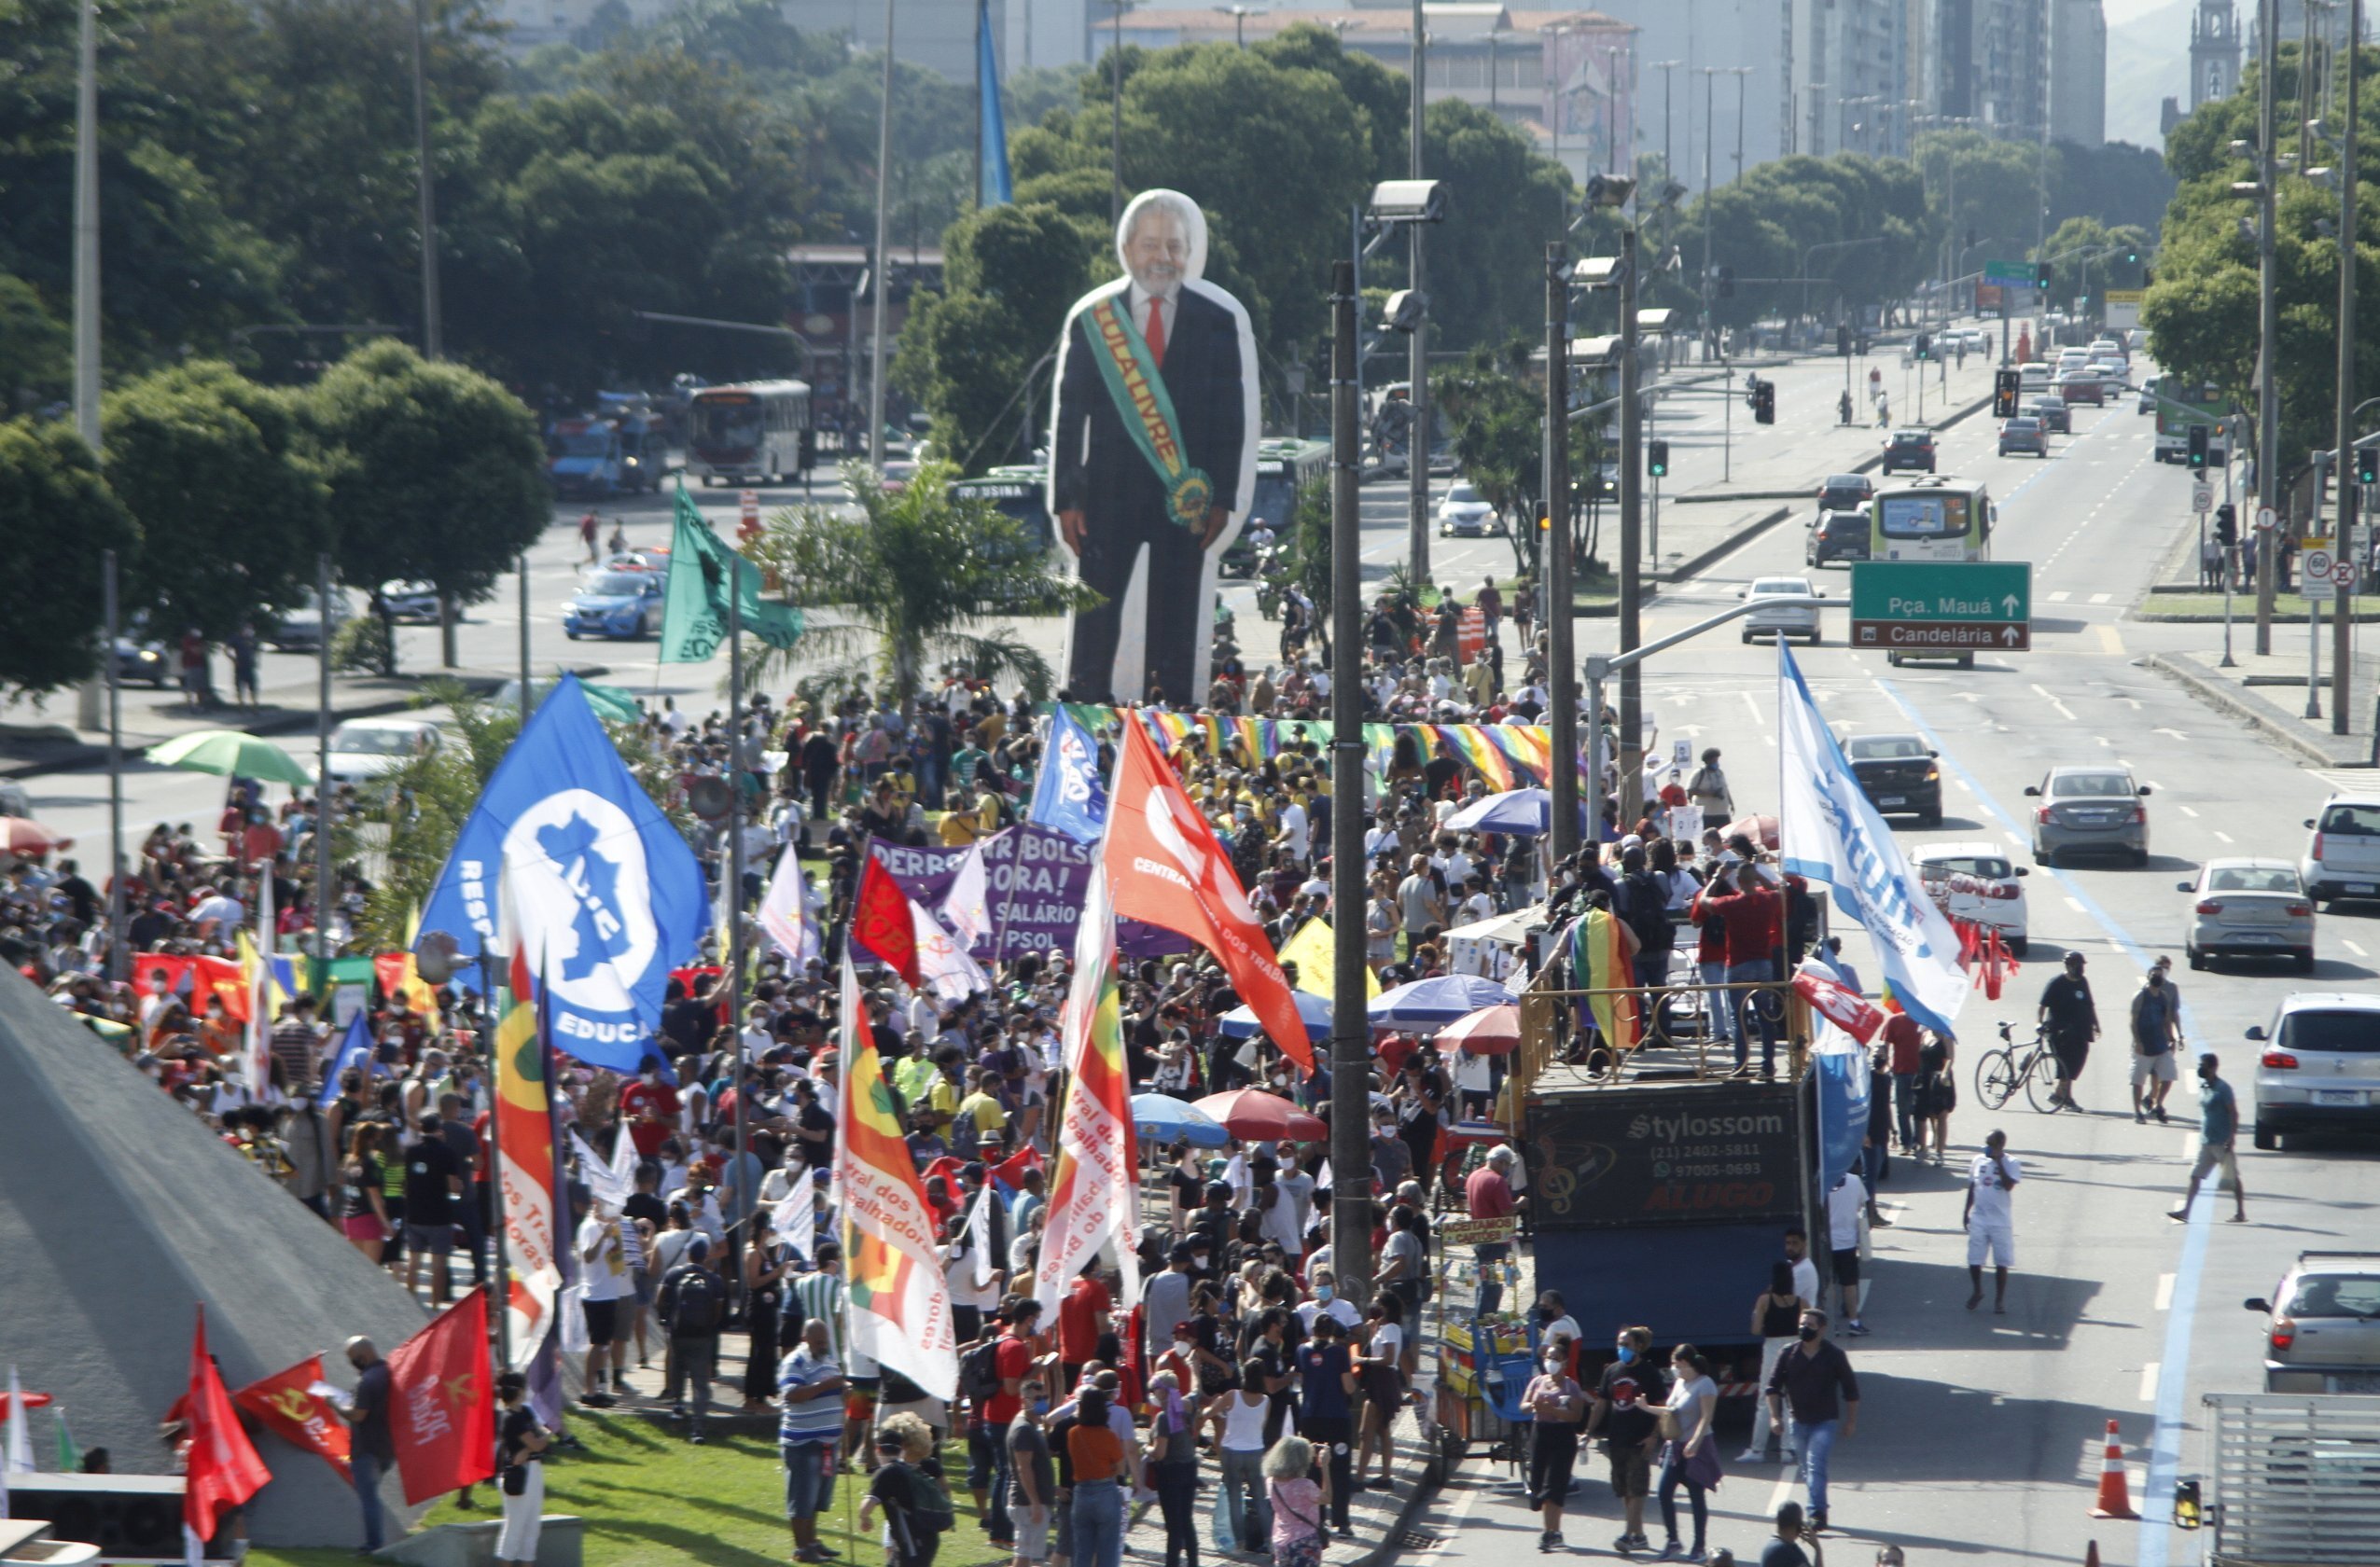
2115 1498
2091 1557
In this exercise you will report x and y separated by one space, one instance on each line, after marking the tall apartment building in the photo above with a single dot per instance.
2078 72
1845 75
1989 64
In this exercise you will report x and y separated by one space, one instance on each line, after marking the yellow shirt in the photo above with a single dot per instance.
986 1109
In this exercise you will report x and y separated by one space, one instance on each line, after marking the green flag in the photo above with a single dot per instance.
70 1457
694 615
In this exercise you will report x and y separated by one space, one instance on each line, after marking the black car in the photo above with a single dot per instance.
1838 535
1845 493
1899 774
1909 448
2054 414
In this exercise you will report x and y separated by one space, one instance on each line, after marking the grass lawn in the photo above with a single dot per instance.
2287 609
654 1501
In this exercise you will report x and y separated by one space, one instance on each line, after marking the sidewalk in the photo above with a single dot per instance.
2269 692
1770 471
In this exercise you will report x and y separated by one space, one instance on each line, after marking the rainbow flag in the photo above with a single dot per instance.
525 1165
901 1302
1599 961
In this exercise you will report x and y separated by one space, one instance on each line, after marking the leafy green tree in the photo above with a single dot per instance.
58 516
37 353
1795 213
910 576
1486 264
437 472
969 355
224 469
2087 257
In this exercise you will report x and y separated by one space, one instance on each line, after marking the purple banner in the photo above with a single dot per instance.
1036 880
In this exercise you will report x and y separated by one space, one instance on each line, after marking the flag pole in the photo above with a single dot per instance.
747 1200
495 1147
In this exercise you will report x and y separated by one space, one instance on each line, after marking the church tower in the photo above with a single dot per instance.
2214 51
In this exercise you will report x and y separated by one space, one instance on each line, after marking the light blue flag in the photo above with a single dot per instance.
604 892
992 185
1828 832
1070 796
1843 1079
355 1050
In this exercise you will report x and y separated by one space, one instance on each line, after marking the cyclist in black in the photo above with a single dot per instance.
2071 1019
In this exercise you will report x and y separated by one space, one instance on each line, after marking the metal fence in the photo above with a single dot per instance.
2296 1480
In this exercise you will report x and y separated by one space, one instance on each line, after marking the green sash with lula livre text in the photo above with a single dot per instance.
1138 387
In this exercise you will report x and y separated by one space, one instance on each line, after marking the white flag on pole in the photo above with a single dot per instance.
788 911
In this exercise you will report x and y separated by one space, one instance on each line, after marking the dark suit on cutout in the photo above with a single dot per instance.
1099 469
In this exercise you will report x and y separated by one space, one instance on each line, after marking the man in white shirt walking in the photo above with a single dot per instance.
1846 1210
1990 1220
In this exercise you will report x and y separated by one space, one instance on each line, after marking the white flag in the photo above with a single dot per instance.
1095 1191
788 911
605 1181
19 1458
1828 832
795 1217
967 904
980 1234
258 1056
944 964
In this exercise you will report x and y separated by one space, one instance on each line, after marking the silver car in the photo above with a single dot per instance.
2321 1065
2248 909
2089 810
2343 858
2324 1332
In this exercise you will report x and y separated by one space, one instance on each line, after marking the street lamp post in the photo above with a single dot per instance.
1417 441
1239 15
1668 161
87 233
1741 74
882 279
2268 401
1554 557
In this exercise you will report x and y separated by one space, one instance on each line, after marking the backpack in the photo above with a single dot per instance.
1648 912
700 1304
979 1372
933 1514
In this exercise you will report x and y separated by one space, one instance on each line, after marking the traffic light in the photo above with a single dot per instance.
2198 446
1842 342
1727 283
2005 387
2041 275
1764 404
2367 465
1925 344
1657 458
2227 524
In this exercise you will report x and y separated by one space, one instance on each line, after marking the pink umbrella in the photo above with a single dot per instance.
1254 1115
1491 1031
22 835
1760 829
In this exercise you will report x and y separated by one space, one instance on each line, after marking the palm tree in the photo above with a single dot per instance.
910 576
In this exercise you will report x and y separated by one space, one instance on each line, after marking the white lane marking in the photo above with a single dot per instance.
2149 1383
2096 598
2076 904
2164 1291
1784 1491
2060 596
2354 947
1755 706
2064 712
2186 810
2221 834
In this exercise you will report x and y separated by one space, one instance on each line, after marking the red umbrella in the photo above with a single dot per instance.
22 835
1760 829
1491 1031
1254 1115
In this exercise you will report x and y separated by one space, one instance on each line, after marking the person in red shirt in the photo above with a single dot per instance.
1740 895
1082 1317
1014 1357
1901 1043
1488 1195
650 1107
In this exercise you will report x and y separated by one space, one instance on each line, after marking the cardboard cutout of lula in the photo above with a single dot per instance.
1153 456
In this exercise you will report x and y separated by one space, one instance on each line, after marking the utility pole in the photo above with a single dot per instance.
1710 332
881 281
119 958
1350 1046
1555 556
2343 625
2268 396
1115 113
433 329
87 235
1668 161
1632 484
1417 371
1741 73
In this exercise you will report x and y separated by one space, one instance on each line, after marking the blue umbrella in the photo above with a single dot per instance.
1163 1118
1241 1021
1524 812
1427 1004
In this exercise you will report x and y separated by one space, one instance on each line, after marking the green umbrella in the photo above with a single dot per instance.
233 753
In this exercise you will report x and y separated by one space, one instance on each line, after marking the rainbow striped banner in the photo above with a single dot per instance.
1506 756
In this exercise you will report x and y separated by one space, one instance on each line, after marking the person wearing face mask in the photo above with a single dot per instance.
2156 1034
2218 1128
1813 1384
1326 1411
1557 1404
1558 1327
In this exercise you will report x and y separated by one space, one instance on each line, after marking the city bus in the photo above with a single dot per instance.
2180 406
756 433
1937 518
1022 492
1284 470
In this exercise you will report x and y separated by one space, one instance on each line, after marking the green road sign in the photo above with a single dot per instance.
1918 605
2018 272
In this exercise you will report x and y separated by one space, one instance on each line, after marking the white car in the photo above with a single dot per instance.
363 749
2344 859
301 629
1466 514
2321 1065
1781 620
412 603
2248 909
1977 882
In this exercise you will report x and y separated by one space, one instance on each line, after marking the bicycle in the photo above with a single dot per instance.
2034 1067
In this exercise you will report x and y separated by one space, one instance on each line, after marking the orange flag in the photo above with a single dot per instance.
291 1410
1166 867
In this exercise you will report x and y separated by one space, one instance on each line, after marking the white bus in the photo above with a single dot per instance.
756 433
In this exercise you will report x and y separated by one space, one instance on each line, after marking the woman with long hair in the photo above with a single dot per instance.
363 1213
1380 1371
1777 1319
1173 1465
1689 1458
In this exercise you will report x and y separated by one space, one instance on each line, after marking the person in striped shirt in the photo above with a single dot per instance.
810 1387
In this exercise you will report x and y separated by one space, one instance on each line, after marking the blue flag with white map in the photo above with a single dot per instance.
567 853
1069 795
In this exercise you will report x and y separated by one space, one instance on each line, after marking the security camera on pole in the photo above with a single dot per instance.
1411 202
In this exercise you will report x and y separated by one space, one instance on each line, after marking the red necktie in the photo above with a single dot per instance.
1156 331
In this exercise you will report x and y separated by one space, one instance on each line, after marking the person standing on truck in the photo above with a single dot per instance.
1742 898
1990 1220
1813 1384
2218 1128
